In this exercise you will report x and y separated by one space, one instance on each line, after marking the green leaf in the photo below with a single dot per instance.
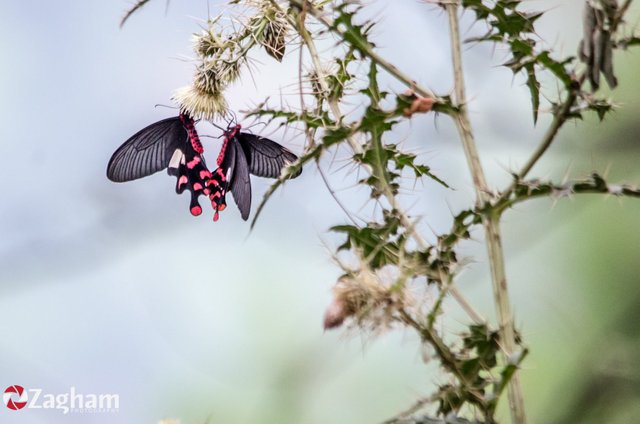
534 90
600 106
557 68
403 160
378 242
354 35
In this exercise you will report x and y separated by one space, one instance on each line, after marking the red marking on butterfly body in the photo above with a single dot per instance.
220 174
193 162
189 125
228 135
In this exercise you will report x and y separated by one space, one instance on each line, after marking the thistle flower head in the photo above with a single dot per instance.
229 71
365 297
223 51
275 32
208 43
201 104
207 77
330 73
316 84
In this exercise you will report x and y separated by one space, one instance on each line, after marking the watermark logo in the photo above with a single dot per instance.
17 397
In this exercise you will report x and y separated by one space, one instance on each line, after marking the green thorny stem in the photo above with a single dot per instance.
447 283
491 221
495 206
369 52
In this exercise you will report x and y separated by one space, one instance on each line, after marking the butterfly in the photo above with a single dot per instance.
173 144
243 154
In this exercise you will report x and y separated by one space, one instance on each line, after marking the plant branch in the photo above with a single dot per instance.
491 222
561 116
337 114
418 405
546 141
367 50
594 184
446 281
503 309
558 121
447 357
132 10
461 117
322 78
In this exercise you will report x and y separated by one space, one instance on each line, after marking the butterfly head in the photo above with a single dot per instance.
232 131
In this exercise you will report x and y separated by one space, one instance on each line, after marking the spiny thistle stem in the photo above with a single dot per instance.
560 117
335 109
449 361
322 79
503 309
558 121
369 52
491 223
461 118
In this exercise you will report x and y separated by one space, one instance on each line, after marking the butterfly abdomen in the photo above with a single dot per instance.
229 135
190 126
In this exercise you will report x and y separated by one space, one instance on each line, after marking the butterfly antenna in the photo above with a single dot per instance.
248 129
217 126
167 106
226 118
224 130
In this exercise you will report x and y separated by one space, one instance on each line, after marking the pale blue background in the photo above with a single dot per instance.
116 288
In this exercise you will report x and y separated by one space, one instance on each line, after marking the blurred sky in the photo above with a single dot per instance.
115 288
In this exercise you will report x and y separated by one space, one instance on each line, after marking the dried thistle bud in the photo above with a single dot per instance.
316 87
207 78
229 71
328 73
362 295
205 98
274 39
207 43
418 105
335 314
270 27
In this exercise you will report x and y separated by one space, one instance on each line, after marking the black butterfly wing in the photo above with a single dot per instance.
148 151
265 157
191 172
237 168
